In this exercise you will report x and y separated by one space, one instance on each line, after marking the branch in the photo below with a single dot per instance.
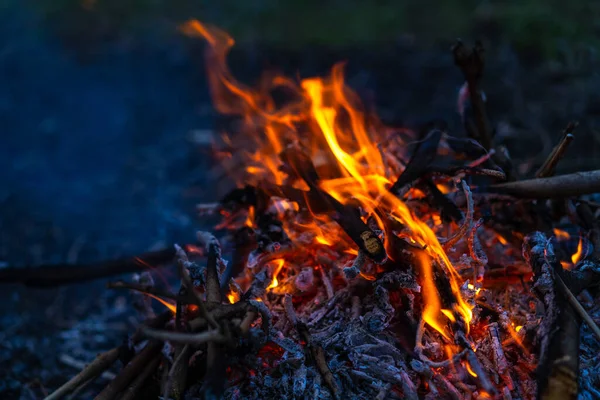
129 373
138 383
104 361
185 338
547 169
576 184
49 275
471 63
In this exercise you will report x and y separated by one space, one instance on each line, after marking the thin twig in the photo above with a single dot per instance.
467 223
182 261
139 382
183 357
130 372
94 369
471 63
105 360
578 307
185 338
49 275
326 283
547 169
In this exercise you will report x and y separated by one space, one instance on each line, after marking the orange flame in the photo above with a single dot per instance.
233 297
172 307
327 121
470 370
274 283
575 258
561 235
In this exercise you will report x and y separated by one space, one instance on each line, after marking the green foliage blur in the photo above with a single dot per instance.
545 26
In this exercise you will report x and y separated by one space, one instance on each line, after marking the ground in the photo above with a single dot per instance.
96 159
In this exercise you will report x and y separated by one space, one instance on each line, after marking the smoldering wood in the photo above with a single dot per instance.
558 366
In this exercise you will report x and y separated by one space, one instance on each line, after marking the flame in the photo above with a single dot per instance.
325 120
518 328
172 307
233 297
561 235
274 283
502 240
250 219
575 258
469 370
367 277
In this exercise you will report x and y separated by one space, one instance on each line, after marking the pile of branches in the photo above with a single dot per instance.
338 326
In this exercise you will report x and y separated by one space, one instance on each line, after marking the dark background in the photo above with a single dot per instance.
99 101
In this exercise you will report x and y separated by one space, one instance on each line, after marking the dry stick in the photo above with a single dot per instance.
134 388
224 311
326 283
183 262
316 351
103 361
50 275
176 379
95 368
578 307
471 63
131 370
467 223
547 169
215 367
177 369
185 338
145 289
576 184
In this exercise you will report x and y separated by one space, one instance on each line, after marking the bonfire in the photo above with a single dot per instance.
359 261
